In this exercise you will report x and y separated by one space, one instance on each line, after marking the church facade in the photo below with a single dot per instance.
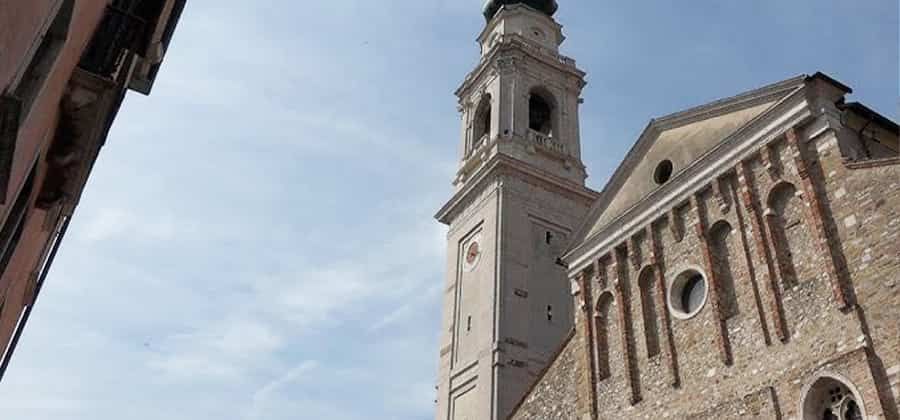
742 262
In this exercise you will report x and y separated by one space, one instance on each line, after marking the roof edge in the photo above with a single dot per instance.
656 125
870 113
747 96
824 77
544 371
585 244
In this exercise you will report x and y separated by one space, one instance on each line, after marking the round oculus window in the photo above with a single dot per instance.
663 172
688 294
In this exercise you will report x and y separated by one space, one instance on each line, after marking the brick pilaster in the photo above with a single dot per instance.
769 161
825 243
674 228
664 319
714 292
589 374
625 324
750 200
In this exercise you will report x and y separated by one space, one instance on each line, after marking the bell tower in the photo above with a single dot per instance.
519 195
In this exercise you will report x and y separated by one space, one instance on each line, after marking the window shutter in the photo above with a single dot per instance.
10 108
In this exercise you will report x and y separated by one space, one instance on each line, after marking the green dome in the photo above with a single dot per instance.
547 6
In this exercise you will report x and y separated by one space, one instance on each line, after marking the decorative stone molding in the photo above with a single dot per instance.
791 111
514 45
500 164
871 163
666 322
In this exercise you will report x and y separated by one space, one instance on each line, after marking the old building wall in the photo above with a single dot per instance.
801 256
36 131
554 396
535 309
55 112
863 199
19 26
465 370
37 126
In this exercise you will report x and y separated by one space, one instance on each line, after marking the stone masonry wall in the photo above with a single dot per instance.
554 396
800 251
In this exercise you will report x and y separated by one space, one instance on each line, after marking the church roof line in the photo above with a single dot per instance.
540 377
723 105
870 113
656 125
588 232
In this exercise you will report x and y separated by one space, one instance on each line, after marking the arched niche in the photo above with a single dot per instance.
649 310
721 236
783 213
603 317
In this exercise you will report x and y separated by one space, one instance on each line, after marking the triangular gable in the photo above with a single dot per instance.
681 138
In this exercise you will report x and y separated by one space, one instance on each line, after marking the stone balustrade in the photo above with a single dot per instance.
546 141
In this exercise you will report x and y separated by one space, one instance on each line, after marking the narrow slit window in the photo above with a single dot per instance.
549 313
469 323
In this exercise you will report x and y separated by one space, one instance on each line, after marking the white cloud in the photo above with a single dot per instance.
224 351
120 224
257 241
264 394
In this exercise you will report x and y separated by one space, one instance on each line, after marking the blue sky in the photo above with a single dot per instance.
257 241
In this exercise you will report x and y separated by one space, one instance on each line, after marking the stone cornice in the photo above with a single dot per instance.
657 126
728 105
872 163
512 45
516 9
791 111
501 164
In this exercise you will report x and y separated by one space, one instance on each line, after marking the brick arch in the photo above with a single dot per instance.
783 211
721 237
603 324
649 309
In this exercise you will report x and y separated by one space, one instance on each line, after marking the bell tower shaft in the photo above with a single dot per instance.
519 195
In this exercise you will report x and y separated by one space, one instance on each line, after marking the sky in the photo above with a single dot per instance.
257 238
